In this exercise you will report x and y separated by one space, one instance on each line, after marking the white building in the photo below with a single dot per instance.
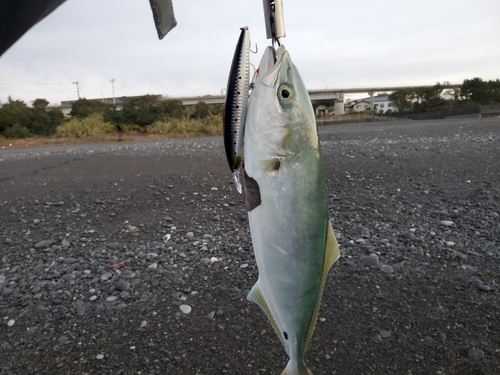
381 104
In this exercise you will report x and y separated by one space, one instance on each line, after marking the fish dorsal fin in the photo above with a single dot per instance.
331 255
256 296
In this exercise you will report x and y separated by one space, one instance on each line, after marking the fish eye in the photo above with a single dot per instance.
285 93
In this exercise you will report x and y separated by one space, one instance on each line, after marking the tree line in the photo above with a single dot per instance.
472 92
18 120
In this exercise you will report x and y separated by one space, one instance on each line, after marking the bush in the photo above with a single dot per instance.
184 127
92 126
16 131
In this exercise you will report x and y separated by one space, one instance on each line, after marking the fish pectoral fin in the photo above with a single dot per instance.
256 296
332 253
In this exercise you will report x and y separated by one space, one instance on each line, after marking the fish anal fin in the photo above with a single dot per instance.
256 296
332 253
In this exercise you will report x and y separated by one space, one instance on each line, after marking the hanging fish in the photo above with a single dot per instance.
287 204
235 106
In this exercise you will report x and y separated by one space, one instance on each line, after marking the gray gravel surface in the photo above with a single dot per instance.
136 258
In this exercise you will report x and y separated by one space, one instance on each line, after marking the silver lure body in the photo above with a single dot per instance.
287 205
235 106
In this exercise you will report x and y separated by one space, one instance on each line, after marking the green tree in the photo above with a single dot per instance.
201 110
477 91
14 112
403 99
85 107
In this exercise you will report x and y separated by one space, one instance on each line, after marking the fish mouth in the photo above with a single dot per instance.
271 64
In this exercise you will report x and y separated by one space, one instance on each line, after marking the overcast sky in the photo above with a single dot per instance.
333 43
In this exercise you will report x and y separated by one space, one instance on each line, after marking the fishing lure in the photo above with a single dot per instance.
235 106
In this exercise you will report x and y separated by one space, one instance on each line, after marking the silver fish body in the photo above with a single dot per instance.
287 205
235 106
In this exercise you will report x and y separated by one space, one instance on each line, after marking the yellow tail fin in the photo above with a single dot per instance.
296 368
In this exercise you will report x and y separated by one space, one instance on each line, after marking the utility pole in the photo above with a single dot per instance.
77 89
113 87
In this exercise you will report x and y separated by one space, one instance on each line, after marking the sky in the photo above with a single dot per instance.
334 44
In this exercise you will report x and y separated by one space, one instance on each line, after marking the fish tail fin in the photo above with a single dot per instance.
296 368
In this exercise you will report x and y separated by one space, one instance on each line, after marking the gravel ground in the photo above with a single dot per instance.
135 258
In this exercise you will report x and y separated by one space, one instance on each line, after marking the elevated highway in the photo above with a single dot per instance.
323 94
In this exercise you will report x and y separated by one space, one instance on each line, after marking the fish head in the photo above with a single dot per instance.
280 109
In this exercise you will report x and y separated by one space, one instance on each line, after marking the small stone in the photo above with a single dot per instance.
122 285
447 223
211 315
370 260
106 276
244 265
63 340
153 266
44 244
450 243
377 338
99 356
214 188
205 261
386 268
11 322
185 309
124 294
65 244
93 298
111 299
476 354
189 235
384 334
484 288
468 267
428 340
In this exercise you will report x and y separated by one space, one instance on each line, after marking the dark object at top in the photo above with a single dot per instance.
18 16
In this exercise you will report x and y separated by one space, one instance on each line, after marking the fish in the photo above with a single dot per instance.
287 203
235 105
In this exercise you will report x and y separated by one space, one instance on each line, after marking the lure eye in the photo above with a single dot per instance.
285 93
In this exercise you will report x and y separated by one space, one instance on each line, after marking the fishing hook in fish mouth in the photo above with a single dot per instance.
275 23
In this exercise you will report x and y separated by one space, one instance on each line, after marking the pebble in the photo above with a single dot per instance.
111 299
44 244
468 267
386 268
484 288
244 265
153 266
93 298
106 276
122 286
63 340
447 223
11 322
205 261
211 315
377 338
475 354
369 260
384 334
189 235
185 309
99 356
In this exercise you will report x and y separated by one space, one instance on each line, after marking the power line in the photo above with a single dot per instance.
35 84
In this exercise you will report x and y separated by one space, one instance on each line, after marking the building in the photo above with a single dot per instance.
381 104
